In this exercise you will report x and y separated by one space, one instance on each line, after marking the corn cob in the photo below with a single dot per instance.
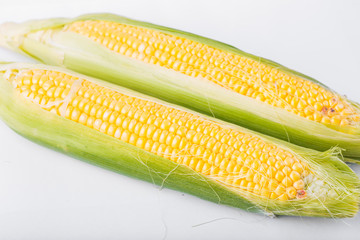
155 141
198 73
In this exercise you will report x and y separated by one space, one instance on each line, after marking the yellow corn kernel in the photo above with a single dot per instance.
279 176
295 176
283 197
287 182
299 184
291 192
280 190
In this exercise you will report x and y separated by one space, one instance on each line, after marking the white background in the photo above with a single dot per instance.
46 195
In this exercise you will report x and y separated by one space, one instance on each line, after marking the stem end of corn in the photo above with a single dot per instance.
10 35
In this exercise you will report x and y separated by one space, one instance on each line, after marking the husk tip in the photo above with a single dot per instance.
8 33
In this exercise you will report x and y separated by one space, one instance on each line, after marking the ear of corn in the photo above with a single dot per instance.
171 146
196 72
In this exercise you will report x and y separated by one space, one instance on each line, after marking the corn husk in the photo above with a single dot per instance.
61 134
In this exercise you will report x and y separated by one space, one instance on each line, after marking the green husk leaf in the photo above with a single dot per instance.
85 56
97 148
